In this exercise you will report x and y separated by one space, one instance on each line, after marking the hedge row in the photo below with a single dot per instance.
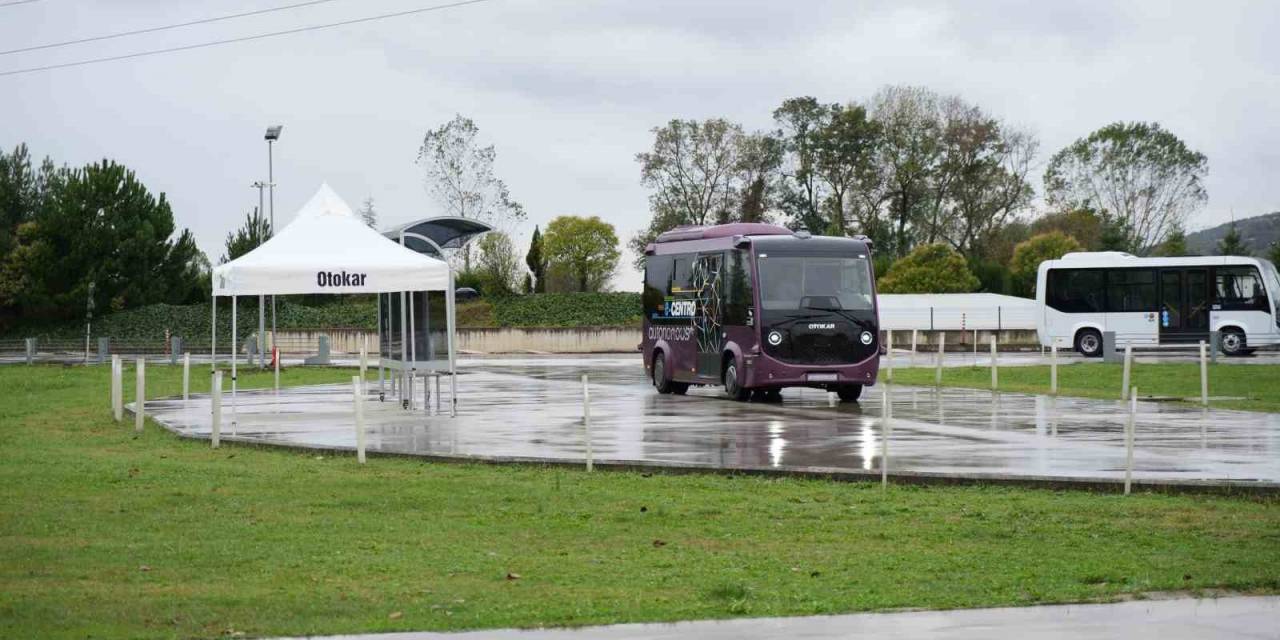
354 312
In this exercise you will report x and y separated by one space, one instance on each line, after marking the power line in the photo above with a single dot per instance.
14 3
260 36
161 28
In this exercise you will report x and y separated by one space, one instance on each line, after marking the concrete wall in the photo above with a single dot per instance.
495 340
608 340
963 340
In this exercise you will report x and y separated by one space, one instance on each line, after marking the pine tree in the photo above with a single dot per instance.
368 214
536 263
1231 244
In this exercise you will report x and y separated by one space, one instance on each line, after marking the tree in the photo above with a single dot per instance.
982 180
1232 244
910 155
460 176
99 228
585 250
929 268
1085 225
800 120
536 263
1175 245
498 265
707 172
1028 255
1137 173
255 231
1273 253
368 214
20 194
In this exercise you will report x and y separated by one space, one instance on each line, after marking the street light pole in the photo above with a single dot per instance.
262 307
273 134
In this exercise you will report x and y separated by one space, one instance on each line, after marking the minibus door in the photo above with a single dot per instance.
1184 305
708 324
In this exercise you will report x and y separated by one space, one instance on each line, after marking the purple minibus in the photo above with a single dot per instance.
756 308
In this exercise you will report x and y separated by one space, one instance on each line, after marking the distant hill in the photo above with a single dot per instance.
1257 232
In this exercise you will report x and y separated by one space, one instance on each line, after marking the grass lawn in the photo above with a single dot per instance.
106 535
1236 386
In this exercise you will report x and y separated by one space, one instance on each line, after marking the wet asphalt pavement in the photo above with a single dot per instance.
531 409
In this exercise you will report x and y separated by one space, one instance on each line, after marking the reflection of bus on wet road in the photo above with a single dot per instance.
756 308
1157 301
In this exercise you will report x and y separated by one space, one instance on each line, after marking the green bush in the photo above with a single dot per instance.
930 268
569 310
344 312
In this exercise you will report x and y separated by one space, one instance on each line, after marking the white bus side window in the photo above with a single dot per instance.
1241 289
1075 290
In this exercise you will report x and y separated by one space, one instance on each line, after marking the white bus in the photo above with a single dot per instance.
1157 301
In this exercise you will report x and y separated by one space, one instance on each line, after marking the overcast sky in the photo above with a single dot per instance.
568 90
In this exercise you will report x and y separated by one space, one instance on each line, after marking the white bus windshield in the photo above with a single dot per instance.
1273 283
822 283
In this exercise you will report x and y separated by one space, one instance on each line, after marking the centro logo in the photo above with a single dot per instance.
822 325
681 308
339 279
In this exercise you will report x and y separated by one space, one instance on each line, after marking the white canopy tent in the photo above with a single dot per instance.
328 249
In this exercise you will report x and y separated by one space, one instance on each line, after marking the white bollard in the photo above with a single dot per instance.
215 434
995 366
1053 370
888 354
1128 366
1128 441
886 414
586 417
275 357
1204 376
358 403
117 388
915 333
140 396
364 355
186 377
942 344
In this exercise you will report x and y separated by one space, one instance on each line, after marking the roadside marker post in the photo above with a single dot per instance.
275 355
117 388
942 344
915 334
1128 441
1204 376
186 377
140 396
886 415
995 366
1053 370
586 418
888 355
357 399
1128 366
215 435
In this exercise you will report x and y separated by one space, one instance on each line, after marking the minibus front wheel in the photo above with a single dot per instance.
1089 343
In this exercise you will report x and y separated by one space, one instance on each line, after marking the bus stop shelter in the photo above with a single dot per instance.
327 249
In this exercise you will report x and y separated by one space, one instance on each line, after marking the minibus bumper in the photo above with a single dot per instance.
762 372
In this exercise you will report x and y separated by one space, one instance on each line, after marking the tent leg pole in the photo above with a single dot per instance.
382 391
413 349
453 330
404 348
234 337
